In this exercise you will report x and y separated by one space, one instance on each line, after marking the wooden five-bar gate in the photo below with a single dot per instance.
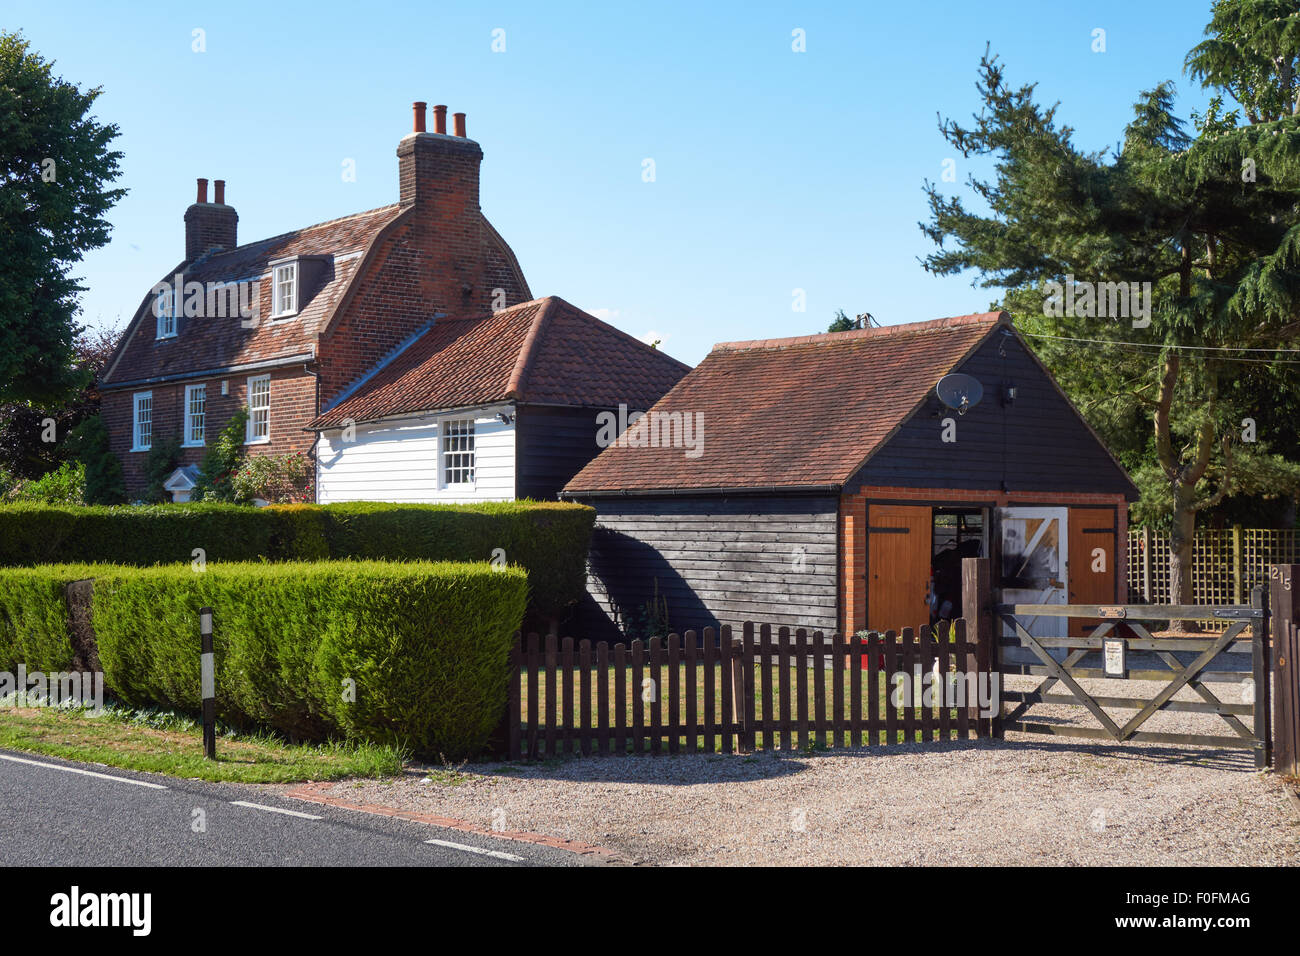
765 689
1121 647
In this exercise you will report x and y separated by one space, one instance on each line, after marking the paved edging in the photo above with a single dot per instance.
316 793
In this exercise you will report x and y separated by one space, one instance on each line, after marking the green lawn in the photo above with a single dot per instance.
174 745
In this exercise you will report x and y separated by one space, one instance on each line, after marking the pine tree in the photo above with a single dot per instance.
1210 220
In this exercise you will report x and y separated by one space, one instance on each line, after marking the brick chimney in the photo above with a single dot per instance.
210 226
435 168
438 175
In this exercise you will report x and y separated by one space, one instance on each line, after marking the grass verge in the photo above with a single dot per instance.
165 742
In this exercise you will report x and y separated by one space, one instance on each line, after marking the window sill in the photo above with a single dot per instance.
194 444
258 441
144 448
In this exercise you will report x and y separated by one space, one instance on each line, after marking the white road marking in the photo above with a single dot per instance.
262 806
481 852
84 773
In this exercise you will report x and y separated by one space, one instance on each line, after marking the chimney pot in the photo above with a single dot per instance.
220 189
440 119
459 119
203 191
418 108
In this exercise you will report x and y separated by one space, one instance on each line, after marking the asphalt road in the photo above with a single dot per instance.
59 813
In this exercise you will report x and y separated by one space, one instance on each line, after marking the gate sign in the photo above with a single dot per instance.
1113 657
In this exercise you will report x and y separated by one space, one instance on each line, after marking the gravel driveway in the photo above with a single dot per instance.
1025 800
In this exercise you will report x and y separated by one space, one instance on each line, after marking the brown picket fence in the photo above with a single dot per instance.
714 692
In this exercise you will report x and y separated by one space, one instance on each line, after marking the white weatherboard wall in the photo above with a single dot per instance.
399 461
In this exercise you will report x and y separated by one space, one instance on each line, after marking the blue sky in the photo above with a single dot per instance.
775 170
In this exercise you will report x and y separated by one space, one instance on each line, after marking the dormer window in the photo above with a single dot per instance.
284 290
165 312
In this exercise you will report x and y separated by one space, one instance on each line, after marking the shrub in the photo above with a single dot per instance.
424 646
104 482
221 461
548 539
140 535
34 617
278 479
66 485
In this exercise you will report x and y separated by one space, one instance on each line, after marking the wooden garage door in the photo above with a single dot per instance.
898 564
1092 561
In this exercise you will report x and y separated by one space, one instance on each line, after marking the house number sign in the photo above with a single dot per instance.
1114 654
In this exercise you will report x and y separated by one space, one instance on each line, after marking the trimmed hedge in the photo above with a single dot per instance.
414 654
548 539
34 617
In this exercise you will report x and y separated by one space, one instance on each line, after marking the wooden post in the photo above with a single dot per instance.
738 688
1146 566
1238 581
981 630
1285 633
513 716
1263 712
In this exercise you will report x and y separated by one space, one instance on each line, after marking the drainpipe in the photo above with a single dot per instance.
315 478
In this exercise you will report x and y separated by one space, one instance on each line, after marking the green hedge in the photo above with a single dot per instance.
34 617
548 539
422 647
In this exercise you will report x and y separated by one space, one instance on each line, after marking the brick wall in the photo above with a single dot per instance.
293 393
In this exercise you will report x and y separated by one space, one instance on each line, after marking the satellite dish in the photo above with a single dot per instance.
959 391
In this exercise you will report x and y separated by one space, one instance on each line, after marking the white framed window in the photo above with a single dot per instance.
457 451
259 409
284 290
165 311
196 408
142 421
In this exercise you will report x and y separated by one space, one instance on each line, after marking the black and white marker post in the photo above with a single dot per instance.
208 682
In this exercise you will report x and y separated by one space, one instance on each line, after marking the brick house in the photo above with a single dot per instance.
835 491
291 325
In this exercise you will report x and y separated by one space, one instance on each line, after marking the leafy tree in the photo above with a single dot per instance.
1220 248
29 447
55 164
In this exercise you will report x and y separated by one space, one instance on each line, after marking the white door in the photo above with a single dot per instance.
1034 550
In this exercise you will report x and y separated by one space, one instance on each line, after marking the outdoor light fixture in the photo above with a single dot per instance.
1009 393
506 418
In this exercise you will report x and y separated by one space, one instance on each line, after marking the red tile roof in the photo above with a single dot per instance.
545 351
795 412
211 343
